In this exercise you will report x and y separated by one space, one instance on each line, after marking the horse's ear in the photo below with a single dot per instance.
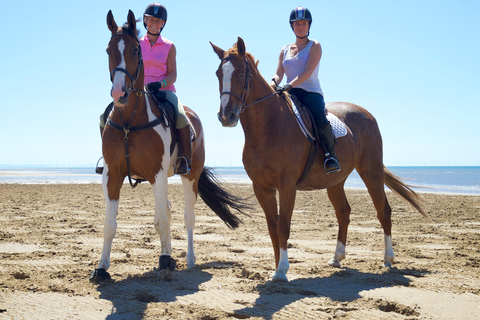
241 46
220 53
132 22
112 25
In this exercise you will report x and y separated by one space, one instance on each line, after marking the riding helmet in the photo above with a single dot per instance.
300 13
156 10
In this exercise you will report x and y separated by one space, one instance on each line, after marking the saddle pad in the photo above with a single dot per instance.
338 127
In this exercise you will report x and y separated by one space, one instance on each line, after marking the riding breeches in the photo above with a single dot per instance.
314 102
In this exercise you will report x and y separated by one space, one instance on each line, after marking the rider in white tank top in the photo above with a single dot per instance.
293 66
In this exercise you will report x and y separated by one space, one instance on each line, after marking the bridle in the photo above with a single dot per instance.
127 127
134 78
246 86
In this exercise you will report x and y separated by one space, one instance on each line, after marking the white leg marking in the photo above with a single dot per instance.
281 272
190 199
227 69
119 77
339 255
110 225
389 255
163 216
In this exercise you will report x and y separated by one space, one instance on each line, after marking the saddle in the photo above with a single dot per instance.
307 125
168 116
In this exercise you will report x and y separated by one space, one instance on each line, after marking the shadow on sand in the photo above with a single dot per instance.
131 296
344 285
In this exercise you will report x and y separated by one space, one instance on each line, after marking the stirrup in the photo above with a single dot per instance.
182 165
99 170
331 164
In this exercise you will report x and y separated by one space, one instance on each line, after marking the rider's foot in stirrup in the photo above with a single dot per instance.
331 165
182 166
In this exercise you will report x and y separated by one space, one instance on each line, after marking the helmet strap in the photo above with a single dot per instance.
152 34
303 37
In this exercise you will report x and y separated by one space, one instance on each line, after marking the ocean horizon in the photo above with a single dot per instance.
434 179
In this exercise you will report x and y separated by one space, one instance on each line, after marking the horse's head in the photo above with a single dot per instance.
234 78
125 59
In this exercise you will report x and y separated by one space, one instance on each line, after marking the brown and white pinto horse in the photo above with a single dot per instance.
276 152
141 148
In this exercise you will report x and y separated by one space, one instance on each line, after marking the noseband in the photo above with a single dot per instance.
133 79
246 86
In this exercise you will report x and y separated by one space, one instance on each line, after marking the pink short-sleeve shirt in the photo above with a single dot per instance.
155 59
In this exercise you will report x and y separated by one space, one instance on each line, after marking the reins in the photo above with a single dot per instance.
246 87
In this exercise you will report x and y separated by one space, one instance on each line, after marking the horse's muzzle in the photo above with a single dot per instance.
228 120
120 101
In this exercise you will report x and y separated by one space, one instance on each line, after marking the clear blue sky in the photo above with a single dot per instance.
415 65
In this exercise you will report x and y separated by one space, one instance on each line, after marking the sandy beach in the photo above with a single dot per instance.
51 239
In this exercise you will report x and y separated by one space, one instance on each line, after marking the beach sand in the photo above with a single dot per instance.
51 238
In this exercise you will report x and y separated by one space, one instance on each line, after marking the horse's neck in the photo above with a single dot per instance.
260 118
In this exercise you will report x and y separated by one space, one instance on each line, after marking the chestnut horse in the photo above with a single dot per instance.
276 152
136 143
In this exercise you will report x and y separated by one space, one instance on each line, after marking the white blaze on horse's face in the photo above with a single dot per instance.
228 70
118 78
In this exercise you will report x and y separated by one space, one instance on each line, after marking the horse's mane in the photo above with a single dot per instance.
233 51
130 31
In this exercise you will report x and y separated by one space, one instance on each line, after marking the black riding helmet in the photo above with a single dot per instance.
156 10
301 13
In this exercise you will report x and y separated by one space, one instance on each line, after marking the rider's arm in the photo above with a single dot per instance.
279 73
171 66
313 61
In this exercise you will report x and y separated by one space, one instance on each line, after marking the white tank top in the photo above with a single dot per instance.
293 66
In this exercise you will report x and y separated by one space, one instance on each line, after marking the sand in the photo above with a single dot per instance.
51 239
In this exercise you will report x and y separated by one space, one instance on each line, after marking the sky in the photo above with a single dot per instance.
415 65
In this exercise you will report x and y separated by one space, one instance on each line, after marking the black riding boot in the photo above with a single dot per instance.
184 158
326 135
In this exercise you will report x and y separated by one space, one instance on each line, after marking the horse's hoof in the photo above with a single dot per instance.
167 262
98 275
387 264
280 277
166 275
334 263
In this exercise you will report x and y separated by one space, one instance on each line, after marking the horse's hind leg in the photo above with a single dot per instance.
375 186
190 199
337 197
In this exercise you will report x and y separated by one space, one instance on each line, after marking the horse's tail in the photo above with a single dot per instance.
219 199
405 191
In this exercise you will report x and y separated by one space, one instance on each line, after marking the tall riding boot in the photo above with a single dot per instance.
326 135
184 158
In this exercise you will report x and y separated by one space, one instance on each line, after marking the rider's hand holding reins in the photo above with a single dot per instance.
283 88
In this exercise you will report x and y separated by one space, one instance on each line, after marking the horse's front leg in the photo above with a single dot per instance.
287 203
190 199
267 200
162 221
337 197
111 192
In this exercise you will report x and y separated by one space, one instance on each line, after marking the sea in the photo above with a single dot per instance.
450 180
